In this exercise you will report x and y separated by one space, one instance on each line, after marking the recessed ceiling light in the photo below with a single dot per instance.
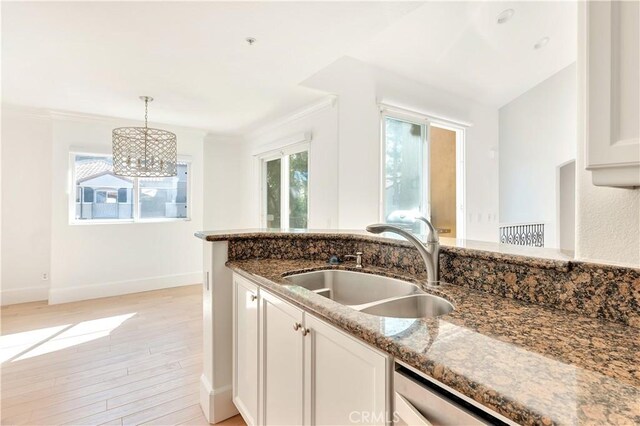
505 15
250 40
541 43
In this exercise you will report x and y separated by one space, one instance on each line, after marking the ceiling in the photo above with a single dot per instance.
460 47
192 57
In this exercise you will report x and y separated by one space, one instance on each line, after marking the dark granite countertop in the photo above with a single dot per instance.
532 364
522 255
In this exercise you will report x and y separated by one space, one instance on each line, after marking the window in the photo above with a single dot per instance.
423 172
285 188
405 185
101 196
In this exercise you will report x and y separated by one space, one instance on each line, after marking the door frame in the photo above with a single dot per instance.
461 195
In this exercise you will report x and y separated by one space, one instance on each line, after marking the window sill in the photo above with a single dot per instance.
127 221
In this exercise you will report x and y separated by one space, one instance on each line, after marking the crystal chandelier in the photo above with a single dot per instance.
144 152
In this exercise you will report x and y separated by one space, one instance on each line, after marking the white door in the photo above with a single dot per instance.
345 380
245 348
282 377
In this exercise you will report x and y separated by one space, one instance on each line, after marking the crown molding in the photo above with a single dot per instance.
326 102
61 115
34 112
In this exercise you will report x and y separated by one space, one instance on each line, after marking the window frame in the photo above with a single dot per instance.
282 154
135 192
459 127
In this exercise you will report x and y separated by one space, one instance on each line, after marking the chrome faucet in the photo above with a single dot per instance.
429 250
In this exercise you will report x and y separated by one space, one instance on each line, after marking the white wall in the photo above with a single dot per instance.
537 136
85 261
227 178
567 207
359 88
26 206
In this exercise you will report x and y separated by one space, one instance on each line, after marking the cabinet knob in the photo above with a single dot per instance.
297 326
305 331
253 297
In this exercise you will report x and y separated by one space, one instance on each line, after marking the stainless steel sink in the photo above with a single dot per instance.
413 306
353 288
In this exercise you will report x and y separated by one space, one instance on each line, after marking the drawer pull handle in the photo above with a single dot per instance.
253 297
297 326
305 331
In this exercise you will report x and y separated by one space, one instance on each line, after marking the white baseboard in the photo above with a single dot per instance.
23 295
117 288
216 404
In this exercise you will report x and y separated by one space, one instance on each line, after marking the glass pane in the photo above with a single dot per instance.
164 197
404 183
273 193
100 194
298 189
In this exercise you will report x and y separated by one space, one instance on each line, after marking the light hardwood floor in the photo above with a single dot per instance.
125 360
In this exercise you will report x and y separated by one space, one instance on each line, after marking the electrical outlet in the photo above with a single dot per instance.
45 276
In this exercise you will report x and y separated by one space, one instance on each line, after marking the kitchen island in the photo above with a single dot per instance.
535 340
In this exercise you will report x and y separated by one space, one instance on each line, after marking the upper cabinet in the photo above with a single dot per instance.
610 36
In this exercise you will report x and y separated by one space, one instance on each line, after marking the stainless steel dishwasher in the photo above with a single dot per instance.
422 401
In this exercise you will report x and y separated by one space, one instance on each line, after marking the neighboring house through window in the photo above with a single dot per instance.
100 195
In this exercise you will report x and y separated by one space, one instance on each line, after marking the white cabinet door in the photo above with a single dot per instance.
281 338
245 348
609 59
346 381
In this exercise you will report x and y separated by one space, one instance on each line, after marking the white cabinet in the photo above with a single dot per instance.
291 368
281 400
245 348
609 63
345 380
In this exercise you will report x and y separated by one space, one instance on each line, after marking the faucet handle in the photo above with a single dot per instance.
357 257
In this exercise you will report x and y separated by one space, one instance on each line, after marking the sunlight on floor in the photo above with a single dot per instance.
28 344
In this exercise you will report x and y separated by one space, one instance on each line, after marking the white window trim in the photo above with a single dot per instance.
459 127
72 187
283 154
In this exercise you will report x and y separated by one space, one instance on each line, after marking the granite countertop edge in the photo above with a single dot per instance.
563 265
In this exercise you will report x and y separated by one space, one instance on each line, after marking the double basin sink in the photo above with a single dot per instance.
373 294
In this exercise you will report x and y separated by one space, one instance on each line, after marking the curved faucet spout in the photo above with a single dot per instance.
429 252
432 236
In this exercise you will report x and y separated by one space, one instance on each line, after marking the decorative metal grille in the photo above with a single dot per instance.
144 152
529 234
